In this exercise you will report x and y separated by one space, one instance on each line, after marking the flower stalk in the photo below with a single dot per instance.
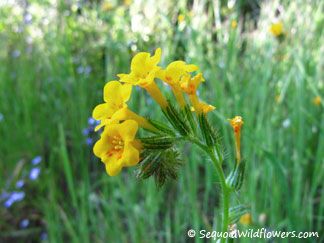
157 155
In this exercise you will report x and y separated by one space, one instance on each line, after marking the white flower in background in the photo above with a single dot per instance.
286 123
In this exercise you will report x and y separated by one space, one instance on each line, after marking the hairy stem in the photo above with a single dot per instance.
225 192
221 176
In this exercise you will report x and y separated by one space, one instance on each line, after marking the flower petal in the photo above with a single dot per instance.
113 92
126 92
104 143
139 61
113 165
102 111
130 156
128 129
157 57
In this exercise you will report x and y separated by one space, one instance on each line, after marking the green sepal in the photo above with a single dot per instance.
236 177
162 164
208 133
161 127
177 120
149 164
190 118
157 142
235 213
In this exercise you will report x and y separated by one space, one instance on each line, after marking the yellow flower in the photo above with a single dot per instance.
317 100
234 24
115 147
115 108
189 85
143 69
277 98
205 107
181 17
276 29
108 6
127 2
246 219
115 95
172 74
236 123
143 72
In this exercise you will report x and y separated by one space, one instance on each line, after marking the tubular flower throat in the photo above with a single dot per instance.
172 74
205 107
116 147
143 72
115 109
189 85
236 123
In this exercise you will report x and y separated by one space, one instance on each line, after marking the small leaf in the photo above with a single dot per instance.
190 118
177 120
236 177
161 127
157 142
235 213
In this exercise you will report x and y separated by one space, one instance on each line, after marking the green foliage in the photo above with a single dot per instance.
46 98
236 177
235 213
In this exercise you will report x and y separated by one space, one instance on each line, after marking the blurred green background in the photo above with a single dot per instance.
55 58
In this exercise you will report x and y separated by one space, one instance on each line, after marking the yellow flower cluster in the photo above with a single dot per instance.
117 146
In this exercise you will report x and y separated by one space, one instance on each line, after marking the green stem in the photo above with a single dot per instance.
221 175
225 192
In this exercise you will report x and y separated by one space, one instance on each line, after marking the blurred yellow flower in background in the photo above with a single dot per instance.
116 147
317 100
106 6
246 219
234 24
181 17
276 29
277 98
127 2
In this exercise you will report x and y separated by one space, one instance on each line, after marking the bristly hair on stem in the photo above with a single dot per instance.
177 120
162 164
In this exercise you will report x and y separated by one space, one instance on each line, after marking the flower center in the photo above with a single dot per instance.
118 147
118 143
